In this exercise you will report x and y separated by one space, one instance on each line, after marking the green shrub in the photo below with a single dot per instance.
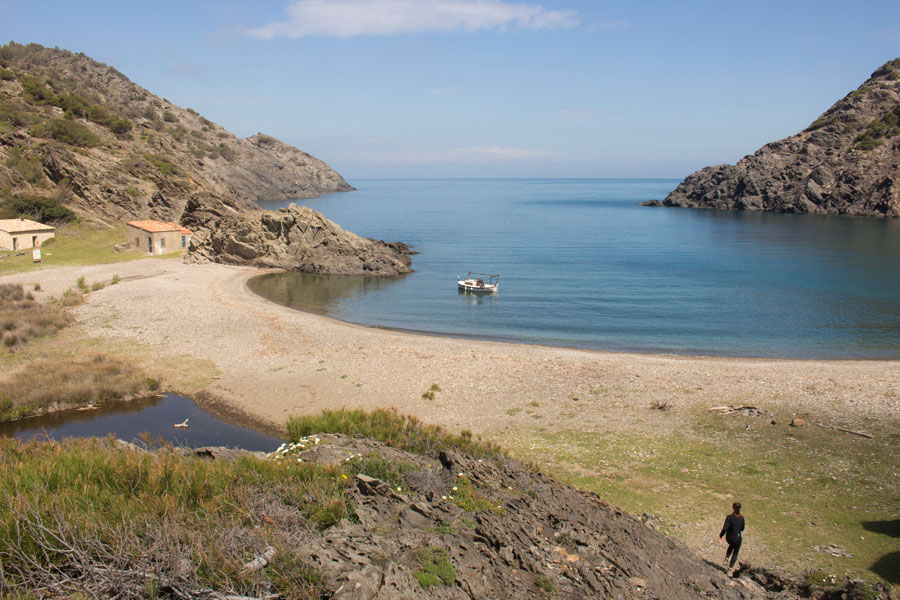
18 114
36 208
6 75
169 117
436 568
162 164
68 132
119 126
36 91
29 168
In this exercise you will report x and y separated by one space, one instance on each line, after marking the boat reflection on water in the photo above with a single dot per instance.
478 299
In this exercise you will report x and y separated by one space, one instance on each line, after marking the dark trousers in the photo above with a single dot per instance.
734 546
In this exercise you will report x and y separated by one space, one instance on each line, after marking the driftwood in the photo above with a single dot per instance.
845 430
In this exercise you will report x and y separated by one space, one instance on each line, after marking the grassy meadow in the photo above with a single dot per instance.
800 486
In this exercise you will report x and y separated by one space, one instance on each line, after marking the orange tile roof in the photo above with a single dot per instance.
20 225
157 226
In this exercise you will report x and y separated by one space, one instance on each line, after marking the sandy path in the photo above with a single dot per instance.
276 362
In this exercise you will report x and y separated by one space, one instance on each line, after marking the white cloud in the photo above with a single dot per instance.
503 153
349 18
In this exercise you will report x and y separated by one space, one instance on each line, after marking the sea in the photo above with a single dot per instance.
582 265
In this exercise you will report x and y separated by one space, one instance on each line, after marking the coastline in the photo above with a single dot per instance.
635 428
276 361
649 351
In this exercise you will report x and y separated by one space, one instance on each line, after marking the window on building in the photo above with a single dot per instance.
183 241
14 244
162 242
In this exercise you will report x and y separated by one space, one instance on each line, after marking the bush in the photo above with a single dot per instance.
67 131
6 75
120 126
165 167
436 568
169 117
29 168
36 208
36 91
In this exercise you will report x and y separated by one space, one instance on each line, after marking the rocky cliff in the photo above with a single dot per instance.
846 162
78 132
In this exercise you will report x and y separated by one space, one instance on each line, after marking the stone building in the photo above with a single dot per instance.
21 234
155 237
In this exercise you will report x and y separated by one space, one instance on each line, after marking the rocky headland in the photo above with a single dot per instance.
846 162
78 134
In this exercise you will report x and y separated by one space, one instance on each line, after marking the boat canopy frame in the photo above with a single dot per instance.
492 279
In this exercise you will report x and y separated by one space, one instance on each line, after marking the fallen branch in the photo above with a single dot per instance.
845 430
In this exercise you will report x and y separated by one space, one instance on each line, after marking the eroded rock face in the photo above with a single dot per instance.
296 238
846 162
517 534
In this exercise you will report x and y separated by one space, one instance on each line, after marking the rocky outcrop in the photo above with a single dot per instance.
296 238
846 162
506 532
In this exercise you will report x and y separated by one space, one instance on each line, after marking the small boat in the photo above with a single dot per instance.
476 284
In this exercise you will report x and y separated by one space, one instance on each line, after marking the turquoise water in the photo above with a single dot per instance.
583 266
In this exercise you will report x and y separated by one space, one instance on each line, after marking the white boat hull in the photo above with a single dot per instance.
471 286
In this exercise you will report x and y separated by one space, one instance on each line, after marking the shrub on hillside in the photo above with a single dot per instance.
30 168
36 208
67 131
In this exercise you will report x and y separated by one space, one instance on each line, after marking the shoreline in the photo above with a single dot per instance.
537 343
275 361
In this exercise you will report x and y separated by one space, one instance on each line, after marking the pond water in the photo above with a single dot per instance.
130 421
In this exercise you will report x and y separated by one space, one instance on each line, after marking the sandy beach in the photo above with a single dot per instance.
274 362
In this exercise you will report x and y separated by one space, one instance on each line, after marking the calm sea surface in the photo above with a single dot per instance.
582 265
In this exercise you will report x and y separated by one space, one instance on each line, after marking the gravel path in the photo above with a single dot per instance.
277 362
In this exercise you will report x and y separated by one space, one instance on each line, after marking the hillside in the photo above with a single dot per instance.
77 134
846 162
358 506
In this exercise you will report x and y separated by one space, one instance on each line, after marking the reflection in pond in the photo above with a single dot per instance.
154 416
315 293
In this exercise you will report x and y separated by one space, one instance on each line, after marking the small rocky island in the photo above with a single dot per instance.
846 162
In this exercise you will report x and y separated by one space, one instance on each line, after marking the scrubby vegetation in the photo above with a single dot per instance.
22 318
83 518
67 131
389 427
885 127
43 209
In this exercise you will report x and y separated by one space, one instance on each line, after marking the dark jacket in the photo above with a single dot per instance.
732 528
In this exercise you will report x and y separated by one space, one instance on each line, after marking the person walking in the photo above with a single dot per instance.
734 525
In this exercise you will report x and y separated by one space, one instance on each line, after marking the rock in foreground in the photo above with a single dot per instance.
296 238
846 162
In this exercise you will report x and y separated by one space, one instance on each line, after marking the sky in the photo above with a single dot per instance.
487 88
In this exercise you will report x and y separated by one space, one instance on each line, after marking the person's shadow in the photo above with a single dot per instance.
887 566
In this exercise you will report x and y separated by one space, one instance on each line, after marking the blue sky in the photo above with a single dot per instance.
487 88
